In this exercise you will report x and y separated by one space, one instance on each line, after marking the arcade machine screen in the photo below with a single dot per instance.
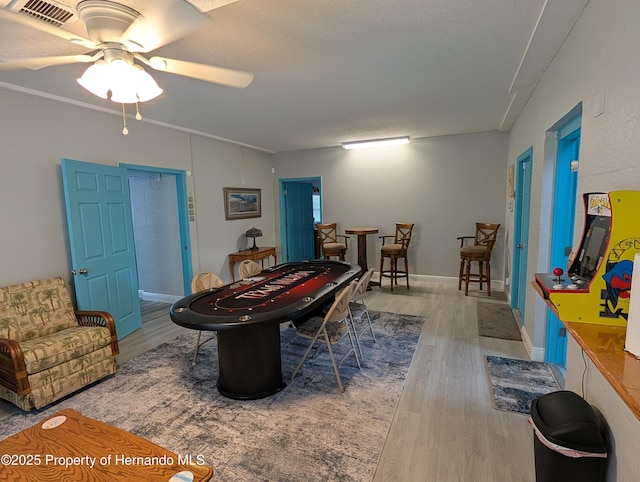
592 249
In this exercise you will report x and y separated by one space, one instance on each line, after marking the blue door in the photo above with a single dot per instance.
298 222
521 231
564 209
101 241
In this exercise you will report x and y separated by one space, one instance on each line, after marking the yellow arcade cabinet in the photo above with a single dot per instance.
597 284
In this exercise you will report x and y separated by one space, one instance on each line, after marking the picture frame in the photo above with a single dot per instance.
242 203
511 181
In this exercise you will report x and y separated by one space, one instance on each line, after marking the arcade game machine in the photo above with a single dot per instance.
596 287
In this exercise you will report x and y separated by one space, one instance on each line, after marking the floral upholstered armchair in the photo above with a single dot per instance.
48 350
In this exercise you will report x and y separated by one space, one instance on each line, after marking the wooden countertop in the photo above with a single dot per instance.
605 347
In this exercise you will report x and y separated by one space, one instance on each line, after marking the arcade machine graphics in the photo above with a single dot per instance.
597 284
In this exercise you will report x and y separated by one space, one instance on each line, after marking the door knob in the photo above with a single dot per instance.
519 246
81 271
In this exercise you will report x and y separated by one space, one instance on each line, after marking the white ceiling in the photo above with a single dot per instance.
330 71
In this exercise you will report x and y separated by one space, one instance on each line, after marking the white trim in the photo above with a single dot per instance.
106 110
497 285
162 298
535 353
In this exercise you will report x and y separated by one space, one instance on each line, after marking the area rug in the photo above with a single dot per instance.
309 431
496 320
516 383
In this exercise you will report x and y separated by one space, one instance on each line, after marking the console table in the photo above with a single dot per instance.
254 255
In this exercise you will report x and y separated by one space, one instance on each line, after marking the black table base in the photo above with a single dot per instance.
249 362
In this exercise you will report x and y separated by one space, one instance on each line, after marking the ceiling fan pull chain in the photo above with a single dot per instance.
125 131
138 115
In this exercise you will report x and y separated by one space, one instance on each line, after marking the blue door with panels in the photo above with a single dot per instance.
298 221
564 210
521 230
101 241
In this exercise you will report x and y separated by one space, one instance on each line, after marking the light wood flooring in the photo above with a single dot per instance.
445 428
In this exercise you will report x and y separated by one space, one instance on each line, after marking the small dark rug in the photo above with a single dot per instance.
496 320
309 431
516 383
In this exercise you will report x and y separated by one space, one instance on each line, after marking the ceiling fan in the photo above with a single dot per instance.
118 35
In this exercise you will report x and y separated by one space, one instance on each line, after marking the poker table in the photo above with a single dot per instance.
246 317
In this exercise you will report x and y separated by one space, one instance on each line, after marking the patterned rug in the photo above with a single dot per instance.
516 383
309 431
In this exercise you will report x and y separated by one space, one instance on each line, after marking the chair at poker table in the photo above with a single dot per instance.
329 330
397 249
359 311
201 282
249 268
330 243
480 251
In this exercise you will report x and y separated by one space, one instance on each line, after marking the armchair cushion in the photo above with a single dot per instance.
34 309
334 246
477 250
392 248
49 351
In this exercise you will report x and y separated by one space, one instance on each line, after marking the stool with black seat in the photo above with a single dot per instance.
480 251
398 249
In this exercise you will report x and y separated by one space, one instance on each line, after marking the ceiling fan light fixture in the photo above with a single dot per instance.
146 86
95 80
391 141
128 83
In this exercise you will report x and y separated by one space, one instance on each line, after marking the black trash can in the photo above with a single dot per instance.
569 439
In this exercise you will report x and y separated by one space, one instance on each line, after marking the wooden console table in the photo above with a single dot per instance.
258 254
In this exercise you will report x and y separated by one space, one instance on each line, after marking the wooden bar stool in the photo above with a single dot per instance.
330 244
484 240
394 251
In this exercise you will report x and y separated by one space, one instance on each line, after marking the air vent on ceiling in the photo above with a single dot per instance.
46 12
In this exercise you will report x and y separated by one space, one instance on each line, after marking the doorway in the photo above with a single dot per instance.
161 232
521 230
300 210
563 220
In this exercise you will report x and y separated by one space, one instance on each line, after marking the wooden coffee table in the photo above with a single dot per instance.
71 447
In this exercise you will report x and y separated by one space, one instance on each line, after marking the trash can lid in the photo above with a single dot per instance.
566 419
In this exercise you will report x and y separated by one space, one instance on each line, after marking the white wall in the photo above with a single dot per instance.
600 55
442 184
219 165
156 232
35 133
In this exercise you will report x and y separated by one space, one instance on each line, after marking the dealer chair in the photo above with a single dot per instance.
329 330
202 282
480 251
249 268
358 310
394 251
330 244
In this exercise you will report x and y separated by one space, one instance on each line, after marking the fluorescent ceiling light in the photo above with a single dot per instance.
392 141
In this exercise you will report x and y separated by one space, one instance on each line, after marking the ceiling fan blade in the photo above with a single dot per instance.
45 27
165 21
208 73
36 63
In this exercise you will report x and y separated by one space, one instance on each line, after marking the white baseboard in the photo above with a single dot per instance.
159 297
536 353
497 285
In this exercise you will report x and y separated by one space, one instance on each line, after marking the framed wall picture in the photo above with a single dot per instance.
511 181
242 203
